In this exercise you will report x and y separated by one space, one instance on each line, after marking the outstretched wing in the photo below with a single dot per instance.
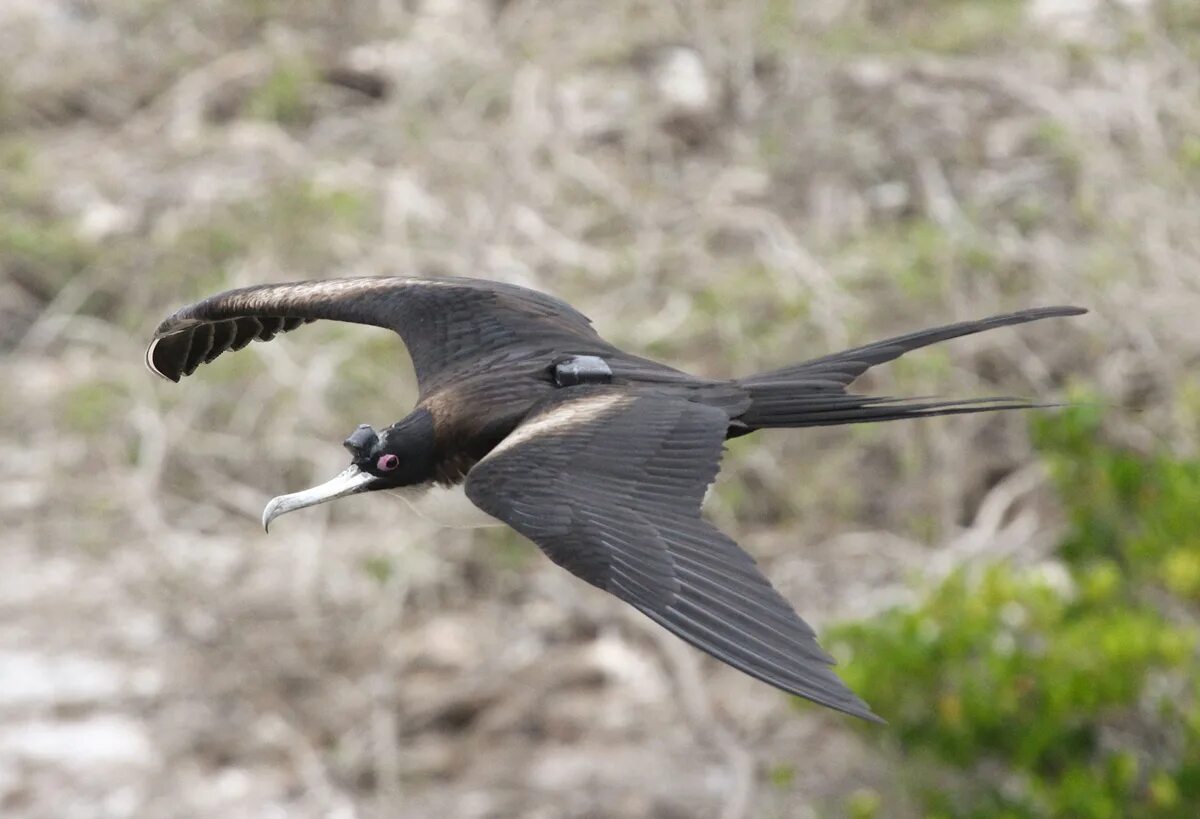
609 485
446 323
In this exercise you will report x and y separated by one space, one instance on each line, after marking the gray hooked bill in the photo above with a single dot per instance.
349 482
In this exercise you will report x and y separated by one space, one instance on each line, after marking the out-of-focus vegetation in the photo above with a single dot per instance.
1069 689
727 185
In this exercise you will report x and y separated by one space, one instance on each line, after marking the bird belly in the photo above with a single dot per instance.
446 506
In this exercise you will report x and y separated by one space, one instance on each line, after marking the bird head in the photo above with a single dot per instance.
399 456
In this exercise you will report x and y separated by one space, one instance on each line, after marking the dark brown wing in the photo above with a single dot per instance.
448 324
609 485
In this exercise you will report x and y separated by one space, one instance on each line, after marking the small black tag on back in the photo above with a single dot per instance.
581 369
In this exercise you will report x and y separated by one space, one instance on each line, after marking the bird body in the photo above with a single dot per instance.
527 417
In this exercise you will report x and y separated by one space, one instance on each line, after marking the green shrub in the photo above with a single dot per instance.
1140 512
1071 689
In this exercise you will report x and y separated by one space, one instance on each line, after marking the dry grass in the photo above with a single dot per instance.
727 185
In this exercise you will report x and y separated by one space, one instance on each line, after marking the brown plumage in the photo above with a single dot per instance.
605 471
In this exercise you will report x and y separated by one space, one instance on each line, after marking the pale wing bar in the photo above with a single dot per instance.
609 485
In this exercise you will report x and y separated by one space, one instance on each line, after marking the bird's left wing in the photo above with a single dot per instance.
448 324
609 485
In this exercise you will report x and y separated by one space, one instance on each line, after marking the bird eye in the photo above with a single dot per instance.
387 462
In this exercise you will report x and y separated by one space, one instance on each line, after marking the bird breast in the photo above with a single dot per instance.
446 505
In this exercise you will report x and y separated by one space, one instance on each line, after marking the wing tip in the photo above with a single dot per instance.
851 705
869 716
149 360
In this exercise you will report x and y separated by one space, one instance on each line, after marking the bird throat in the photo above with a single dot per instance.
445 505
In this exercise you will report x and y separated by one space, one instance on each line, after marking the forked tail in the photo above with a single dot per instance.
814 393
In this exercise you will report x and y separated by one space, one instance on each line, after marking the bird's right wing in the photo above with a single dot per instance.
609 485
448 324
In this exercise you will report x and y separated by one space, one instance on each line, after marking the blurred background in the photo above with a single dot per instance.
727 186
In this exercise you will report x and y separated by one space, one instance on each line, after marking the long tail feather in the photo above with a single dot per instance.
813 393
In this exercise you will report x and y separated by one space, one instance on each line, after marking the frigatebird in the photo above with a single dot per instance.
527 417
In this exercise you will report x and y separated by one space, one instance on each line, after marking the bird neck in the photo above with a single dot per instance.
414 440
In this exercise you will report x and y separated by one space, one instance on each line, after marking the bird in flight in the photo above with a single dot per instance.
527 417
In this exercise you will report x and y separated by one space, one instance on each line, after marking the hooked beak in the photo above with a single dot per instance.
349 482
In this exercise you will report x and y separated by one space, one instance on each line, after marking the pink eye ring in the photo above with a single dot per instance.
387 462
